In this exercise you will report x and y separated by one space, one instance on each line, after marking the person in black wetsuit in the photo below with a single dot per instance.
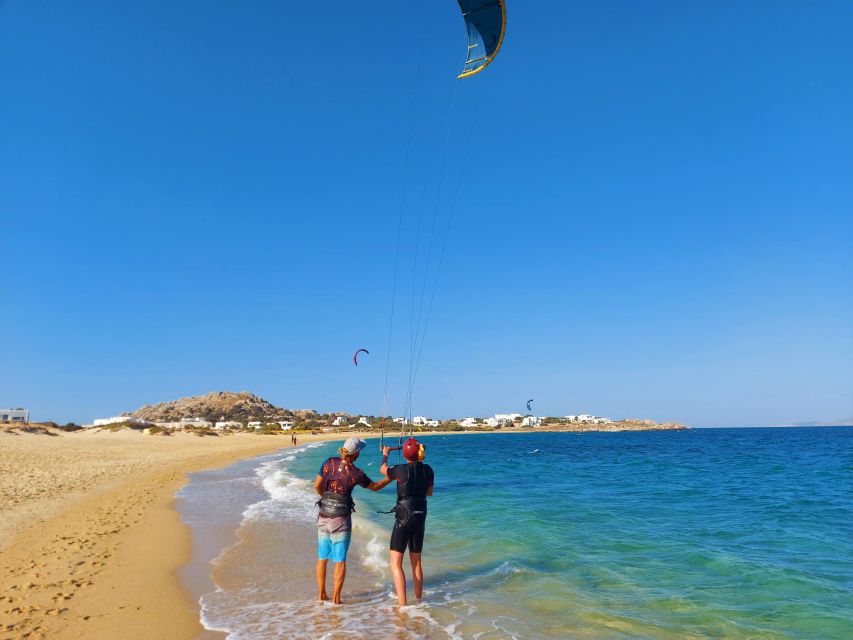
414 483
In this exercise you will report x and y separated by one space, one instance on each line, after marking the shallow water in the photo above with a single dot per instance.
693 534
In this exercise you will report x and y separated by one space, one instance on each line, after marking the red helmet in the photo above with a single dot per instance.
413 450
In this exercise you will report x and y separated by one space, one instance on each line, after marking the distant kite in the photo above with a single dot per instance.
530 404
355 355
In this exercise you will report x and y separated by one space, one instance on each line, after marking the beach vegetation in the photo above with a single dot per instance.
69 426
201 431
118 426
156 430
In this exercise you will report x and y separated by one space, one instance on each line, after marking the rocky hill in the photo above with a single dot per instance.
242 406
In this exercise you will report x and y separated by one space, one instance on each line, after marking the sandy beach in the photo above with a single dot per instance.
88 537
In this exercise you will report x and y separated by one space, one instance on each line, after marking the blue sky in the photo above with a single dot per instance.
654 218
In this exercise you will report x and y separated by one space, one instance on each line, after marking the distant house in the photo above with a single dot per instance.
286 425
419 421
195 422
14 415
228 424
255 424
364 422
340 421
401 421
531 421
491 422
468 422
432 423
102 422
504 418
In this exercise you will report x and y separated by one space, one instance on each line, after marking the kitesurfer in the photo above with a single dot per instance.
414 483
334 483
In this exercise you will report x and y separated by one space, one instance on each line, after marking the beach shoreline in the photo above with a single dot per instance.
101 560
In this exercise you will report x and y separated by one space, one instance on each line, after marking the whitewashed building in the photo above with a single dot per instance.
195 422
491 422
432 423
468 422
531 421
255 424
286 425
504 418
401 421
228 424
419 421
14 415
364 422
340 421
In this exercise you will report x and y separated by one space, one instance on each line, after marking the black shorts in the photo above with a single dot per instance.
411 535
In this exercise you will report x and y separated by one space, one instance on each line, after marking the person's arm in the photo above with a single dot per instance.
376 486
384 468
318 485
431 480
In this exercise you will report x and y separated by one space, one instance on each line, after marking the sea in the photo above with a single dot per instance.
702 533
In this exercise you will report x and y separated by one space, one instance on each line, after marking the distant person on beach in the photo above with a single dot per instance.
334 483
414 483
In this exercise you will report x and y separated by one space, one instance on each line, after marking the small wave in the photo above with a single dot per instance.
534 451
243 617
289 496
374 558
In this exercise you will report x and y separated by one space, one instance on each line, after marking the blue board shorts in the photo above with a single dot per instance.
333 538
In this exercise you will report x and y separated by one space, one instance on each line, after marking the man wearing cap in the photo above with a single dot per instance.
414 483
334 483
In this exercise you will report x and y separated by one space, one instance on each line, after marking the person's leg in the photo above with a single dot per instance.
340 540
417 574
399 576
340 576
321 580
416 546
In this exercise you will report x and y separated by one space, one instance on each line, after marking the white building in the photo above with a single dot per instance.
228 424
468 422
255 424
340 421
195 422
588 419
14 415
102 422
286 425
401 421
364 422
419 421
504 418
491 422
432 423
531 421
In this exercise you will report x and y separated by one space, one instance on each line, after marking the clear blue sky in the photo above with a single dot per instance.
655 218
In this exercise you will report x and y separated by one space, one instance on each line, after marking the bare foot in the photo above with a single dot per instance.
323 596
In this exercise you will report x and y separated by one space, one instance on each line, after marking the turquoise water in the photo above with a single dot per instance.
742 533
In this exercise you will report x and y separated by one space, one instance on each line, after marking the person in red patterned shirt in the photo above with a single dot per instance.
334 483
